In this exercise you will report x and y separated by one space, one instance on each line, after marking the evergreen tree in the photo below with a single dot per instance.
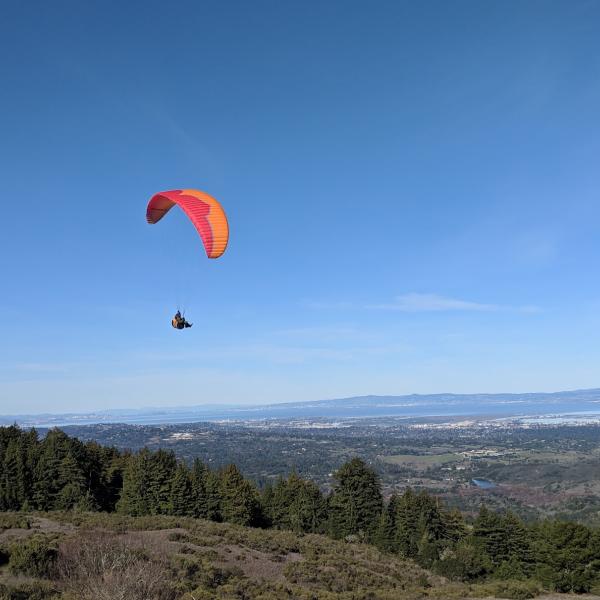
295 504
465 562
199 477
568 556
518 546
455 528
162 466
112 478
32 448
489 530
72 484
239 498
385 535
356 502
267 501
47 482
276 500
181 501
306 505
505 540
213 502
135 499
406 525
104 475
13 475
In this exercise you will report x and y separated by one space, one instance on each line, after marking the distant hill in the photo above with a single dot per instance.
413 405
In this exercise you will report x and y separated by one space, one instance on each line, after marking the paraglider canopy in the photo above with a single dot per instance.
206 214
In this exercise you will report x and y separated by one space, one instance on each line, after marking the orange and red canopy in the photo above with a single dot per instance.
204 212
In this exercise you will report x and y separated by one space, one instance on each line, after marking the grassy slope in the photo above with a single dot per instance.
203 560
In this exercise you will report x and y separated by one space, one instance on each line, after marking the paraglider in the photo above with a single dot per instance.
179 322
207 216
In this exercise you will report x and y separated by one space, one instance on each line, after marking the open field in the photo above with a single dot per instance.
421 461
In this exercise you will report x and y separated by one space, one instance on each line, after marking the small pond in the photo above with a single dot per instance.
484 484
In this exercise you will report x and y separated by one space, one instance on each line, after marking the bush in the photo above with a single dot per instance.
28 591
510 569
465 563
513 590
214 577
579 580
178 536
108 568
188 568
14 521
34 556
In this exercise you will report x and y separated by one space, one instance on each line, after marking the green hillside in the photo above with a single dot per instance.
72 556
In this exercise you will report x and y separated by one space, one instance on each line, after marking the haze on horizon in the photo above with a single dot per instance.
413 192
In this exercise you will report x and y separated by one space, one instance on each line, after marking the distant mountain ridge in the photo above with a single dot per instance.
409 406
592 394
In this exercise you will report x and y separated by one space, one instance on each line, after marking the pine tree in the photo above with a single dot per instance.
385 536
518 546
266 501
162 466
406 520
135 499
454 526
181 501
295 504
32 448
104 475
72 484
306 510
489 530
113 466
356 502
239 498
199 477
47 483
13 476
466 562
277 501
213 497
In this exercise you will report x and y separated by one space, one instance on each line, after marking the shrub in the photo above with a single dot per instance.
178 536
41 590
105 568
34 556
14 521
513 590
465 563
579 580
214 577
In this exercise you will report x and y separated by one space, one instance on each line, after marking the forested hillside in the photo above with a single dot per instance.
60 473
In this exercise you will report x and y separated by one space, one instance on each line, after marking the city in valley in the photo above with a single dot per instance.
534 467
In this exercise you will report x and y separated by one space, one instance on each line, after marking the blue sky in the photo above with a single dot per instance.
413 191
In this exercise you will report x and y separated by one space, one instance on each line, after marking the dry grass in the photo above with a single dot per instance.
101 567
